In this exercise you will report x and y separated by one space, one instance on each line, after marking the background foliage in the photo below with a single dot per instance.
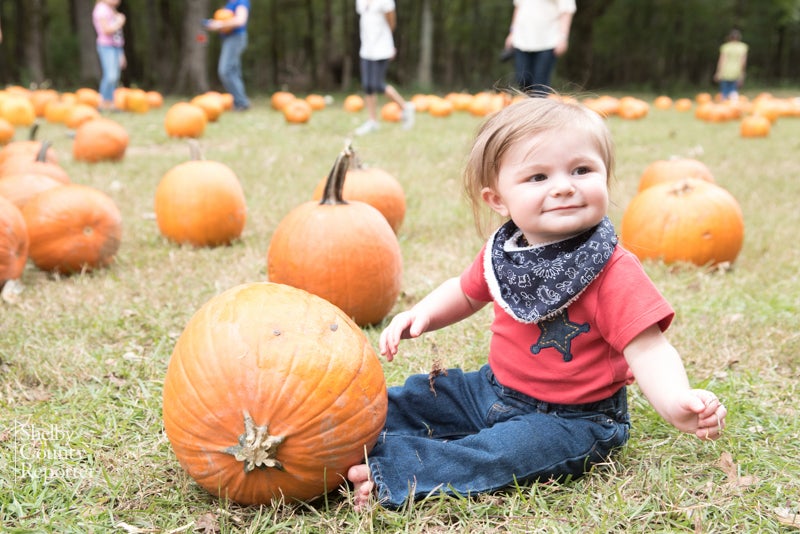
442 44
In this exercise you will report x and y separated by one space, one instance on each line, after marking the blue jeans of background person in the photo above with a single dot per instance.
230 68
373 75
467 434
534 70
110 58
728 87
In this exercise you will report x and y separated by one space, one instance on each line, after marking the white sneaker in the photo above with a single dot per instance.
367 127
408 115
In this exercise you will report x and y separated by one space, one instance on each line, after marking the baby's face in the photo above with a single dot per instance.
553 185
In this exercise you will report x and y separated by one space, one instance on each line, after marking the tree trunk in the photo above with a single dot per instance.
81 23
33 49
425 66
192 75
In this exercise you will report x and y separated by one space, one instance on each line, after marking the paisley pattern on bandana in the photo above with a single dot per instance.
533 283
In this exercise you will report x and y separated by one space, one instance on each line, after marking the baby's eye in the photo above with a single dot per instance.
538 178
582 170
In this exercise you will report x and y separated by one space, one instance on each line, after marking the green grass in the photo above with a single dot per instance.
82 358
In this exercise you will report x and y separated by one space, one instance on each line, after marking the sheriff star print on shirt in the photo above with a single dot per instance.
558 333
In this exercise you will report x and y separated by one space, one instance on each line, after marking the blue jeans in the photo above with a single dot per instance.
230 68
110 57
467 434
728 87
533 71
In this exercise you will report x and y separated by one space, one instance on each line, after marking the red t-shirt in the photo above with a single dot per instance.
577 357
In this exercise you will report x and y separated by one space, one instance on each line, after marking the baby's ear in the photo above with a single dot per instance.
494 201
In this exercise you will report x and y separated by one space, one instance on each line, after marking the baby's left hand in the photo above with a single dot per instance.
705 414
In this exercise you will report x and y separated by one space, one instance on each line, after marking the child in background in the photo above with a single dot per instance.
576 320
377 20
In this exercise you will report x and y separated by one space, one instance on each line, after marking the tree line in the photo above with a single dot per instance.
443 45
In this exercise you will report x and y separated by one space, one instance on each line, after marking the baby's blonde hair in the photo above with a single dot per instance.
526 117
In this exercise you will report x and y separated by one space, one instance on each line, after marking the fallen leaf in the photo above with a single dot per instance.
207 524
788 517
731 470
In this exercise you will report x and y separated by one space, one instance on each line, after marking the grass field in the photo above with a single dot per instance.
82 358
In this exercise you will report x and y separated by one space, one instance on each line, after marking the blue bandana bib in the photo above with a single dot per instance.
533 283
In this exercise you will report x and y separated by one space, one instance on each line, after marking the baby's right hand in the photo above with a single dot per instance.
404 325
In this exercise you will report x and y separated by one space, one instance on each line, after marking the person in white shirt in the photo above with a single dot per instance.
378 19
539 34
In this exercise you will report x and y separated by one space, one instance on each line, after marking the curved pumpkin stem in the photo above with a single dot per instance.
332 194
42 155
34 129
256 447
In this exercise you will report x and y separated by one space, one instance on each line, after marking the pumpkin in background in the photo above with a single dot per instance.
298 111
80 113
24 163
210 103
353 103
440 107
40 98
6 131
272 393
18 110
391 112
280 98
689 220
58 111
755 126
72 228
374 186
674 169
185 120
201 203
683 104
99 140
344 252
317 102
154 99
662 102
136 101
88 96
13 242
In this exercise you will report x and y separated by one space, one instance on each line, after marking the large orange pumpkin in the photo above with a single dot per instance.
755 126
374 186
672 170
13 242
272 393
72 228
100 140
201 203
689 220
345 252
185 120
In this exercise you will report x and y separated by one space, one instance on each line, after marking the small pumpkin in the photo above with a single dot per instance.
13 242
662 102
88 96
211 104
79 114
272 393
222 15
185 120
391 112
689 220
344 252
298 111
154 99
353 103
440 107
317 102
72 228
100 140
674 169
374 186
755 126
18 110
280 98
201 203
136 101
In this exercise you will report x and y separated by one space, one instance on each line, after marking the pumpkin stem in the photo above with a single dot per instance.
42 155
332 195
194 150
256 447
34 129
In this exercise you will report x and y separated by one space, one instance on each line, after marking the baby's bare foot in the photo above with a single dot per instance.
363 487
